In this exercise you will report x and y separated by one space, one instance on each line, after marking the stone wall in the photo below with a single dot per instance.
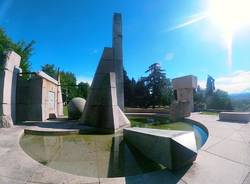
29 99
9 68
33 99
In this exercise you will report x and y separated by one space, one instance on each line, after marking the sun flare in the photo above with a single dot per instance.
229 16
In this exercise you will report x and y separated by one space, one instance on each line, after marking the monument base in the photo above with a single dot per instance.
6 122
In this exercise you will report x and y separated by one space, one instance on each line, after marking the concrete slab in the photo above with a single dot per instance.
173 149
209 168
220 164
239 151
235 116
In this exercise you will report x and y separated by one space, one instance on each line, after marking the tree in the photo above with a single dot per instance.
22 48
83 90
141 96
199 99
129 91
68 81
158 85
51 70
219 100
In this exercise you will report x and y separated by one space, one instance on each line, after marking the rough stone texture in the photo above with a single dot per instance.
5 122
101 109
118 58
9 68
184 103
179 110
76 107
235 116
173 149
33 98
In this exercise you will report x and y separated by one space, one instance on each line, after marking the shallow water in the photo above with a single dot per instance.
100 155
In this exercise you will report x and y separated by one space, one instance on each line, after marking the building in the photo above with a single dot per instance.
38 98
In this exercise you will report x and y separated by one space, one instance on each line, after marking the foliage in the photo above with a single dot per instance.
69 86
155 89
83 90
199 99
51 70
219 100
241 105
159 87
22 48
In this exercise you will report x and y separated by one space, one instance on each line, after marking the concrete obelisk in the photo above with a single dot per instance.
118 58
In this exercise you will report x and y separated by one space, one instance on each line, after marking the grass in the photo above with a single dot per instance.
65 110
210 113
158 123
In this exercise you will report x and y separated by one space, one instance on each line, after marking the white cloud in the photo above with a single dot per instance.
237 82
169 56
84 79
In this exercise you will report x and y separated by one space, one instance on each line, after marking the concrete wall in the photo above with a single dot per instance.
33 99
9 68
29 99
47 110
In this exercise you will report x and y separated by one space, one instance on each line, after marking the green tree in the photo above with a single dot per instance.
83 90
199 99
159 87
129 90
68 81
69 88
51 70
22 48
141 95
219 100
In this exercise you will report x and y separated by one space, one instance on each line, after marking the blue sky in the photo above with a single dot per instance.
72 33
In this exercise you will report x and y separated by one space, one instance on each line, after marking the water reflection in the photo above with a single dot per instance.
88 155
98 155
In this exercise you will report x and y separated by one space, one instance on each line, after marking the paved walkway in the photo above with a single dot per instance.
224 159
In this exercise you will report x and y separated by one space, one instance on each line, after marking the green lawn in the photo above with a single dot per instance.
210 113
65 110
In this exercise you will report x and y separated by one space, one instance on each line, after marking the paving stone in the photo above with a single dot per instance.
232 150
211 169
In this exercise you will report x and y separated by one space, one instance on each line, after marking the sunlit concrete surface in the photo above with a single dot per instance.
225 158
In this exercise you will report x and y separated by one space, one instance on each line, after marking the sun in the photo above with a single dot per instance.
230 16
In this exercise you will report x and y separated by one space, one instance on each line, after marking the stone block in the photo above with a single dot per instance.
235 116
189 81
179 110
173 149
101 109
6 122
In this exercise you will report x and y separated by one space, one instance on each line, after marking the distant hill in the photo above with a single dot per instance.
241 102
240 96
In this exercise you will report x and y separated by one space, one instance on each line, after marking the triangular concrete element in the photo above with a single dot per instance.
101 109
173 149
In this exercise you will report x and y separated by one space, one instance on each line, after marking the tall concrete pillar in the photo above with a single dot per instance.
9 68
118 58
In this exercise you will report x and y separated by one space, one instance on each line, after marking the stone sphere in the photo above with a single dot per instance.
75 107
